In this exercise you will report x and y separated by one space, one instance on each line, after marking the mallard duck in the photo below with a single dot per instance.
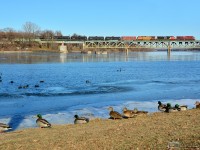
37 85
161 106
197 103
128 113
141 112
4 127
113 114
87 81
169 108
25 86
181 108
80 120
42 122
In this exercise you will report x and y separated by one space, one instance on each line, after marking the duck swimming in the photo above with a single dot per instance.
42 123
80 120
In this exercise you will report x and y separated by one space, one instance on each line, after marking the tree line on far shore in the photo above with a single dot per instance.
12 39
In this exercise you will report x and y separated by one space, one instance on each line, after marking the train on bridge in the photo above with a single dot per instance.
120 38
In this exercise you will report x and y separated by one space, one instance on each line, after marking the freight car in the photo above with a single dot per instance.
96 38
112 38
61 38
146 38
128 38
78 38
42 38
185 38
165 38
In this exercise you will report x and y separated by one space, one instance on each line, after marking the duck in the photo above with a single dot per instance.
42 123
197 103
181 108
80 120
169 108
128 113
20 87
161 106
119 70
25 86
87 81
36 86
141 112
114 114
4 127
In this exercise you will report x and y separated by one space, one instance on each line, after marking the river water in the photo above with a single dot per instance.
87 84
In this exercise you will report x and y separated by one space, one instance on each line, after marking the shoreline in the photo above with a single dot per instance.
153 131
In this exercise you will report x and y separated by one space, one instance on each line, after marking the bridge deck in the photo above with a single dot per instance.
133 44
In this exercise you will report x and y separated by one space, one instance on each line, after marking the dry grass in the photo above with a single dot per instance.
154 131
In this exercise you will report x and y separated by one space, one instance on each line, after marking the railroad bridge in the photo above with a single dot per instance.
155 44
142 44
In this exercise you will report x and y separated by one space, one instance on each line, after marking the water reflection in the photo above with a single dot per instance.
47 57
168 55
63 57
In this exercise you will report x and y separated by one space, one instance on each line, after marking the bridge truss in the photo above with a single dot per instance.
132 44
142 44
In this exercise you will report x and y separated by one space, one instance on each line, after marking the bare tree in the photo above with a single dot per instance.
58 33
30 29
10 34
75 34
2 35
47 34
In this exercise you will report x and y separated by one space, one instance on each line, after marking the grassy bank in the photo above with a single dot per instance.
153 131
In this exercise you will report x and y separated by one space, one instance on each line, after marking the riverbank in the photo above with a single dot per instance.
154 131
29 50
109 50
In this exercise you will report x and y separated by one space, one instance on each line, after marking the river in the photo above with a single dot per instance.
62 85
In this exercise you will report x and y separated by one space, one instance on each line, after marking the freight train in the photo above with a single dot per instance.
122 38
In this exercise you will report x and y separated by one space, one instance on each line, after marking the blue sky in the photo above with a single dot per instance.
105 17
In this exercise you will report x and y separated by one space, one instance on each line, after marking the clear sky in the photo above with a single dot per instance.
105 17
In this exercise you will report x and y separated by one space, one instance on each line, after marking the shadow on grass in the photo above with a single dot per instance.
15 122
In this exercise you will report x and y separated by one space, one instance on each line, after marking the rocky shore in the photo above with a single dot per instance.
153 131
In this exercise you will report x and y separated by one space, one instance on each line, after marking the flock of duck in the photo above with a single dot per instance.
43 123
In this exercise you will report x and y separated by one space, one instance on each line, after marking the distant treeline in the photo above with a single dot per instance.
26 38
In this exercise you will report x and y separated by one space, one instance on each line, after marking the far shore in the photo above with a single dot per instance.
156 131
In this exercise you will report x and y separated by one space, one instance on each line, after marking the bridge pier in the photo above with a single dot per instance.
63 48
169 48
126 51
83 46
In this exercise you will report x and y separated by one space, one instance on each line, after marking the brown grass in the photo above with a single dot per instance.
153 131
